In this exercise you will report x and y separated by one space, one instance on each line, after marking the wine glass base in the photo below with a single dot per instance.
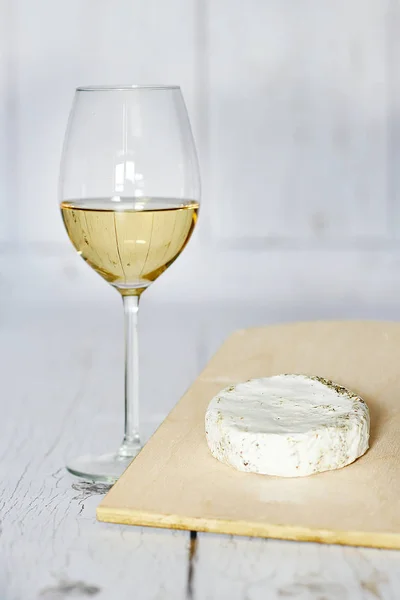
106 468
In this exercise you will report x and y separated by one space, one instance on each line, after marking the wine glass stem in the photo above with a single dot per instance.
131 442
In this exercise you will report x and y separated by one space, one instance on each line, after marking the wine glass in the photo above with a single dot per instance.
129 198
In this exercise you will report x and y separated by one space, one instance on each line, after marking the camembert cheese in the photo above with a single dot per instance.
287 425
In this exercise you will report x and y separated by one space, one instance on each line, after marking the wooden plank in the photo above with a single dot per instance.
175 482
8 126
298 119
269 569
393 125
61 395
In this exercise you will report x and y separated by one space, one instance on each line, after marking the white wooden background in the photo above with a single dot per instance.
295 110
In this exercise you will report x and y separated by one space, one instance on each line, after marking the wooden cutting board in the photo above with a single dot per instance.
175 482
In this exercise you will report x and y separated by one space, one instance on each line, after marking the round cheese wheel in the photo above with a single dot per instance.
287 425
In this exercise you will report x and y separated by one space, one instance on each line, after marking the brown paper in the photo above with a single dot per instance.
175 482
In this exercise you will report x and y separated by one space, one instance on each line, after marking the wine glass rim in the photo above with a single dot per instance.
125 88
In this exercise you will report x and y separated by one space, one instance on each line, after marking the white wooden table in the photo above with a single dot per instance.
61 395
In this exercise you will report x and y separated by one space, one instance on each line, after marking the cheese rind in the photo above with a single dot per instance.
287 425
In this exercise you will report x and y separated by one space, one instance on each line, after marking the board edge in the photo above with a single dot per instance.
390 541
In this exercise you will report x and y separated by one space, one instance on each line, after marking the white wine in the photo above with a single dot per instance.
129 241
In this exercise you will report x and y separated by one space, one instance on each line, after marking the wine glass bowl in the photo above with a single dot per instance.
129 198
129 242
